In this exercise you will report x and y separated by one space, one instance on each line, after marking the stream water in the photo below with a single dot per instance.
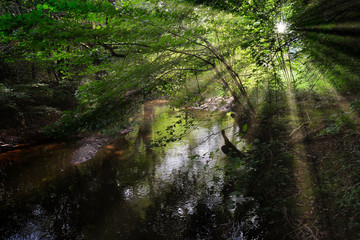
130 189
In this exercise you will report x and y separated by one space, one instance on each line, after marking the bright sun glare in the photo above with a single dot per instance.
281 27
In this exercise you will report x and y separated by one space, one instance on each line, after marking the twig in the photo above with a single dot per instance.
310 231
298 128
208 137
303 154
308 116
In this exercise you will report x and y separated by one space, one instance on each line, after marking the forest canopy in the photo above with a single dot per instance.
115 54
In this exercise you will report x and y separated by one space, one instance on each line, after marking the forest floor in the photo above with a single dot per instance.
324 138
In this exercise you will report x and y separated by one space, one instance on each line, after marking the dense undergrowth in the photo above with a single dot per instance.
333 142
341 184
264 177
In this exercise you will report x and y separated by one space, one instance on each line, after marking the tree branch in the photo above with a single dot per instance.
190 54
111 50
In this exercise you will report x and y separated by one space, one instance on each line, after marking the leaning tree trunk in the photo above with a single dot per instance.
235 77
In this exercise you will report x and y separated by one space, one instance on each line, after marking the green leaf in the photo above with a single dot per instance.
245 127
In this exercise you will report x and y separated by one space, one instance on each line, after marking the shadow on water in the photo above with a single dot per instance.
128 190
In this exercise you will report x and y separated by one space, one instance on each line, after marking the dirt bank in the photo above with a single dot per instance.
30 130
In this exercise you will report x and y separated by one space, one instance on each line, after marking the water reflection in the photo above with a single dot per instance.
128 190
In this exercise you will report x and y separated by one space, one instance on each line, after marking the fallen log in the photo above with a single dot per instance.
229 149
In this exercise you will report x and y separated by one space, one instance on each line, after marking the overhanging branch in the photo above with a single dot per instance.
112 51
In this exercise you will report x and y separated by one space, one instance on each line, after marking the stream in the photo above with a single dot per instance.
134 187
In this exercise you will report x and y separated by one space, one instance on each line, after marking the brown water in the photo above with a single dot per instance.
128 190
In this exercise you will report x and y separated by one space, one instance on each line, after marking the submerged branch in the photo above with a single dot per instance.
229 149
